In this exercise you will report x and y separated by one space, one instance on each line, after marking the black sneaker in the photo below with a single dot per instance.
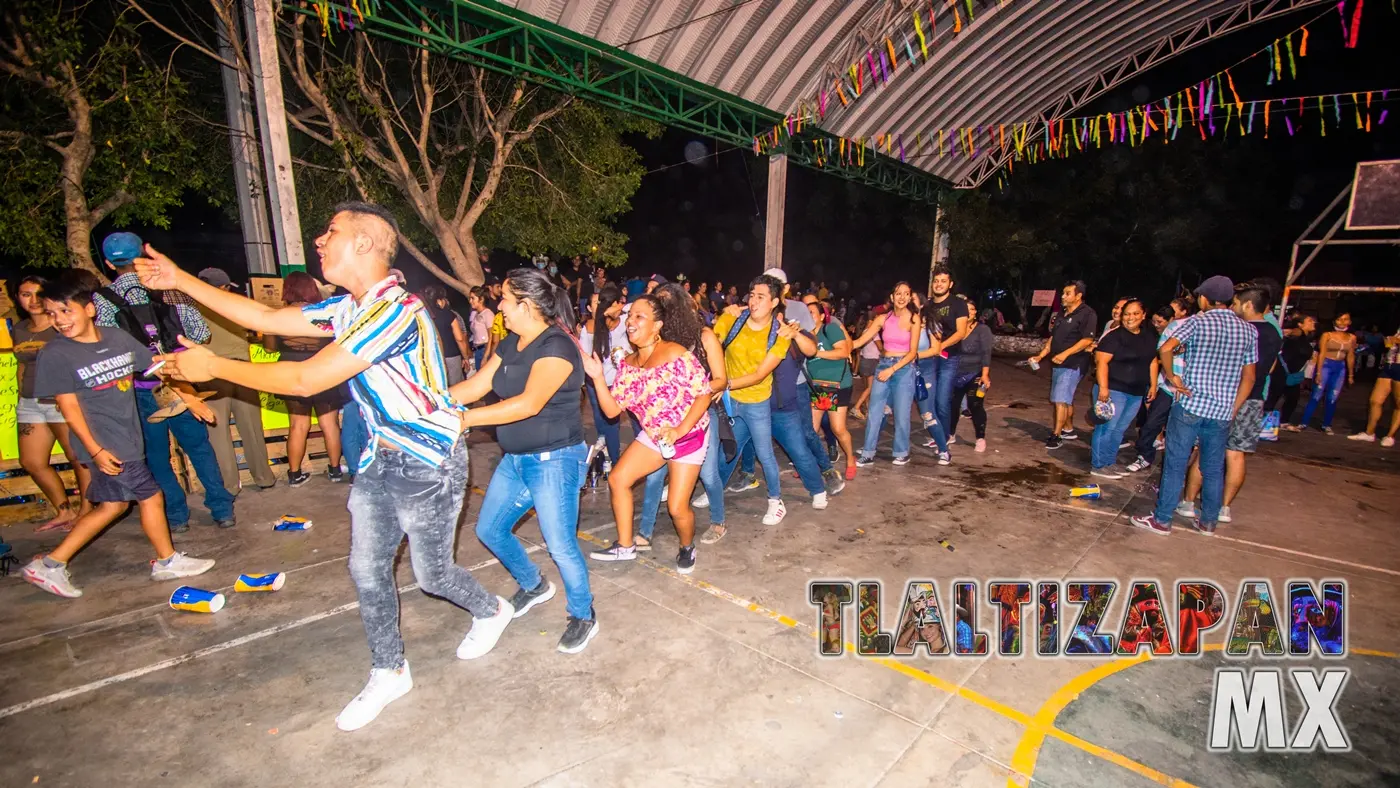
335 474
1069 435
685 560
577 634
227 522
1054 442
524 600
297 478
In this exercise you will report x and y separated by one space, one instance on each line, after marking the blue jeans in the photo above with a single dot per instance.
935 371
940 374
709 479
1184 430
478 354
790 428
814 441
1109 434
193 437
1334 374
753 423
354 434
548 481
609 429
898 393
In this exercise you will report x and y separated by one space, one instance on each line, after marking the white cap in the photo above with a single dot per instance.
777 273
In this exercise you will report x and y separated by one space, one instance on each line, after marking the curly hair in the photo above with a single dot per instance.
681 323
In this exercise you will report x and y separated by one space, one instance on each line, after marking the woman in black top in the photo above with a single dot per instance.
451 331
300 289
537 373
1126 366
1287 378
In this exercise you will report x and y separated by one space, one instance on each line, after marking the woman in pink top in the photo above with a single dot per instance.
667 388
894 375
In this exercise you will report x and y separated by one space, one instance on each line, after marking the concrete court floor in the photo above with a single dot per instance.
711 679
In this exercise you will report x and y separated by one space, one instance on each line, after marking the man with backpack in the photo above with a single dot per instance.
157 322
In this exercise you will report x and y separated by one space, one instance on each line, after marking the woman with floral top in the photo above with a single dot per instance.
668 389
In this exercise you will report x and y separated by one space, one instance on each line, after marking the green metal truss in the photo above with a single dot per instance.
505 40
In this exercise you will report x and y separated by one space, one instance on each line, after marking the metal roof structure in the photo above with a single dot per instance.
1022 60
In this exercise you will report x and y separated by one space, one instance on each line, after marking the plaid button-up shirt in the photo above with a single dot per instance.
1217 345
128 286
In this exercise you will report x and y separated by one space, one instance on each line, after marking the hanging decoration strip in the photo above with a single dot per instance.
346 15
1213 99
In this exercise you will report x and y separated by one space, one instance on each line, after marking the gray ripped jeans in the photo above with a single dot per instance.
401 496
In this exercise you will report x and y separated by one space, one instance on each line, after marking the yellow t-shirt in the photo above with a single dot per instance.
745 354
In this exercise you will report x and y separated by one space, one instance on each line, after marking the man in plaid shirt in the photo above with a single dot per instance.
1219 351
120 250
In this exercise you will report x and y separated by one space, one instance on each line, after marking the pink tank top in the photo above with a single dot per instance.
895 338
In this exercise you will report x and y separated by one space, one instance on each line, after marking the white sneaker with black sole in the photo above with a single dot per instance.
482 637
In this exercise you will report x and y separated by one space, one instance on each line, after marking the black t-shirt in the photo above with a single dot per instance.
442 322
1082 323
947 313
1270 343
1296 352
584 276
1130 369
560 423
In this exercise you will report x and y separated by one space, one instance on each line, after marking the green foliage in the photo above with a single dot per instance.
148 145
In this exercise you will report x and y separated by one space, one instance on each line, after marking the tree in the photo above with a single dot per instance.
92 127
471 159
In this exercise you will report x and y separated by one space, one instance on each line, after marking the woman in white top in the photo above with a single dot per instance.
481 319
606 336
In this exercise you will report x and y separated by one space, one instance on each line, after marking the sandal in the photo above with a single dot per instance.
713 535
642 544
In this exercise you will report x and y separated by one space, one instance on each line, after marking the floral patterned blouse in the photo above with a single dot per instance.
661 396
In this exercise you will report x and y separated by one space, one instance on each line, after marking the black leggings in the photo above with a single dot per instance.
1279 389
975 405
1152 427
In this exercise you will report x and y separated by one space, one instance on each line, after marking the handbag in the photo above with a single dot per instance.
825 395
920 386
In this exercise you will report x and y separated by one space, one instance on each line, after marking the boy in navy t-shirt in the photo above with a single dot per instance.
89 371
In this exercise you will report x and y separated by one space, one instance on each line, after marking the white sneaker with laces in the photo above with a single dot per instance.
1139 464
385 686
1362 436
1387 441
1186 509
1224 515
818 501
482 637
53 579
702 501
776 512
180 565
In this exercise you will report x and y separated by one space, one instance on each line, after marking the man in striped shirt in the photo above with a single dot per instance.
386 346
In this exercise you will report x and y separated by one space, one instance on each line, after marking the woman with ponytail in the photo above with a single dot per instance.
606 337
536 372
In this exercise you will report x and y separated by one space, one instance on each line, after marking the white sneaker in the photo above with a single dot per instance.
180 565
484 633
702 501
1139 465
818 502
981 444
1159 444
665 493
53 579
385 686
1362 436
776 512
1224 515
1387 442
1186 509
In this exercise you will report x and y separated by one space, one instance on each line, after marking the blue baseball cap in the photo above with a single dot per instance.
122 248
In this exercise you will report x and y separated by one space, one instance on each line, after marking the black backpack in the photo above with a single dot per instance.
154 324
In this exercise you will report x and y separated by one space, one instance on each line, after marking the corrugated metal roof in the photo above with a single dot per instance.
1021 59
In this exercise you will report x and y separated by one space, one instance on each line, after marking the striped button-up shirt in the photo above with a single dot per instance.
129 287
1217 345
403 394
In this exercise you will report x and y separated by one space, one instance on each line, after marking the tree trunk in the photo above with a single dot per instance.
77 156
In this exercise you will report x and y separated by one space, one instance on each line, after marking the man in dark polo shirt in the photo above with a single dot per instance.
1070 352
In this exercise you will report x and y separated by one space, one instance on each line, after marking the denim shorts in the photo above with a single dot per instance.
37 411
1063 382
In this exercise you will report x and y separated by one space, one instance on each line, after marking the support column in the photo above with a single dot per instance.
777 201
261 19
247 181
940 247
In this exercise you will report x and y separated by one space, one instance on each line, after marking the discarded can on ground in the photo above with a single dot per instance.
271 582
290 523
196 600
1090 491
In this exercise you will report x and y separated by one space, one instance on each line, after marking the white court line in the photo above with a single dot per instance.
137 673
1192 532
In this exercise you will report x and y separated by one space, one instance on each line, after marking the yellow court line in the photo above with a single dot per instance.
1040 728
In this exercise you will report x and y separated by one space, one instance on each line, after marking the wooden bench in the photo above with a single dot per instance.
21 501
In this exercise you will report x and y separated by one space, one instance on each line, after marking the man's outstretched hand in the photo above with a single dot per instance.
155 270
191 365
